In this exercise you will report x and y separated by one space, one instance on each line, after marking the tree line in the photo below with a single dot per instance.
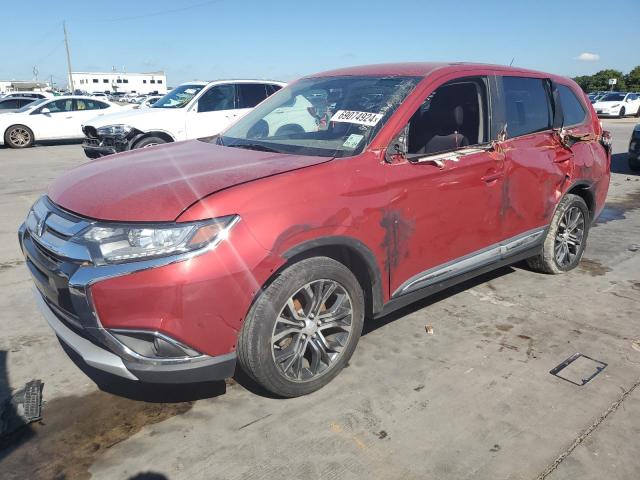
600 80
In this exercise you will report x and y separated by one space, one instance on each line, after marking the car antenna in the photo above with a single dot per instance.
511 62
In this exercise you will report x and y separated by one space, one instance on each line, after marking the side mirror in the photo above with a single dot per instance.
45 110
397 149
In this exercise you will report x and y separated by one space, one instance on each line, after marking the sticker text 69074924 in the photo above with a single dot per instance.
361 118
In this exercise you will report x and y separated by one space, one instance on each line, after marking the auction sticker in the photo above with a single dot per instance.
361 118
352 140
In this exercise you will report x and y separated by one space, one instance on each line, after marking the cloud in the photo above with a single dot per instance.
588 57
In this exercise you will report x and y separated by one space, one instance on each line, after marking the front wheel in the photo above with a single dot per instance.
149 142
566 237
622 113
303 328
18 136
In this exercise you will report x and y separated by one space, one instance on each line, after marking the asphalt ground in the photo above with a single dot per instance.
473 400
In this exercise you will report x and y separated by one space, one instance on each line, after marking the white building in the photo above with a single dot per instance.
92 82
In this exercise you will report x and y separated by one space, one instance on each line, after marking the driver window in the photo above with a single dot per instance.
59 106
454 116
220 97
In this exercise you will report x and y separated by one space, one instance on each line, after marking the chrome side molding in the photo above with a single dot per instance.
474 260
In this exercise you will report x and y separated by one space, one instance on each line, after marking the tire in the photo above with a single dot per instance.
622 113
18 136
274 328
148 142
638 112
556 258
634 164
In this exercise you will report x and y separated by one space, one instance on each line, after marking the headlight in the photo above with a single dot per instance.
126 243
115 130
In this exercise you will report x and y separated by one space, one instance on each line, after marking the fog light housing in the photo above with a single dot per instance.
153 345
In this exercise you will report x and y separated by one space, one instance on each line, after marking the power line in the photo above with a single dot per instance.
162 12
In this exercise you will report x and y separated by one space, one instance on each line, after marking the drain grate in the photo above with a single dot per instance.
578 369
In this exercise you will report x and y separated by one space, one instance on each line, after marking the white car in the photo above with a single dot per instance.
58 118
148 101
618 105
191 110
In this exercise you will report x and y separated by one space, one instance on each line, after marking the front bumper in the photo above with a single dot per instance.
64 293
634 147
202 370
605 112
99 147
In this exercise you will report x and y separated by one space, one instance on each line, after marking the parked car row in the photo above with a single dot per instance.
344 196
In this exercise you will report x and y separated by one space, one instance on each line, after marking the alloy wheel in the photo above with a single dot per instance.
569 236
311 330
19 137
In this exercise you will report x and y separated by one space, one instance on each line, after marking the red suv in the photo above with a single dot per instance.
342 197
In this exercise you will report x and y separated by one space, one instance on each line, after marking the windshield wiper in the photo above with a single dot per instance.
254 146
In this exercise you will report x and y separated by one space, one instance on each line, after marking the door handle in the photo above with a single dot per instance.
492 176
68 117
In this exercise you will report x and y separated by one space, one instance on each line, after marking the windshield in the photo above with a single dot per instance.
178 97
612 97
28 107
328 117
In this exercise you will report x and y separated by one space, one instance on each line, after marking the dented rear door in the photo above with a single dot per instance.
536 164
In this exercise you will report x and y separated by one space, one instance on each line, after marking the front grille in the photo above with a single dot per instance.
52 259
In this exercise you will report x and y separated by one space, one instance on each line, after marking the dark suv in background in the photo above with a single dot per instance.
634 149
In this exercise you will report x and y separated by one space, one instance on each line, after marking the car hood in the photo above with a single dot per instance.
138 118
158 183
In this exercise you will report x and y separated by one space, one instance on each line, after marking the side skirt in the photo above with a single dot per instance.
400 301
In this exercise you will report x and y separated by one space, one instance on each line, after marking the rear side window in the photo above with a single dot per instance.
526 104
574 112
82 104
251 94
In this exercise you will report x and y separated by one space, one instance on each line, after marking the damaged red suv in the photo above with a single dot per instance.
344 196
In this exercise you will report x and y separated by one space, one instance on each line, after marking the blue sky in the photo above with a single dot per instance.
197 39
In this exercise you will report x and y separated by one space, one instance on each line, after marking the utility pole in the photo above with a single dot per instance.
66 44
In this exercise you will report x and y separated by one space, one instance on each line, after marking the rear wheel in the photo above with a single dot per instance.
149 142
634 164
566 237
18 136
303 328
